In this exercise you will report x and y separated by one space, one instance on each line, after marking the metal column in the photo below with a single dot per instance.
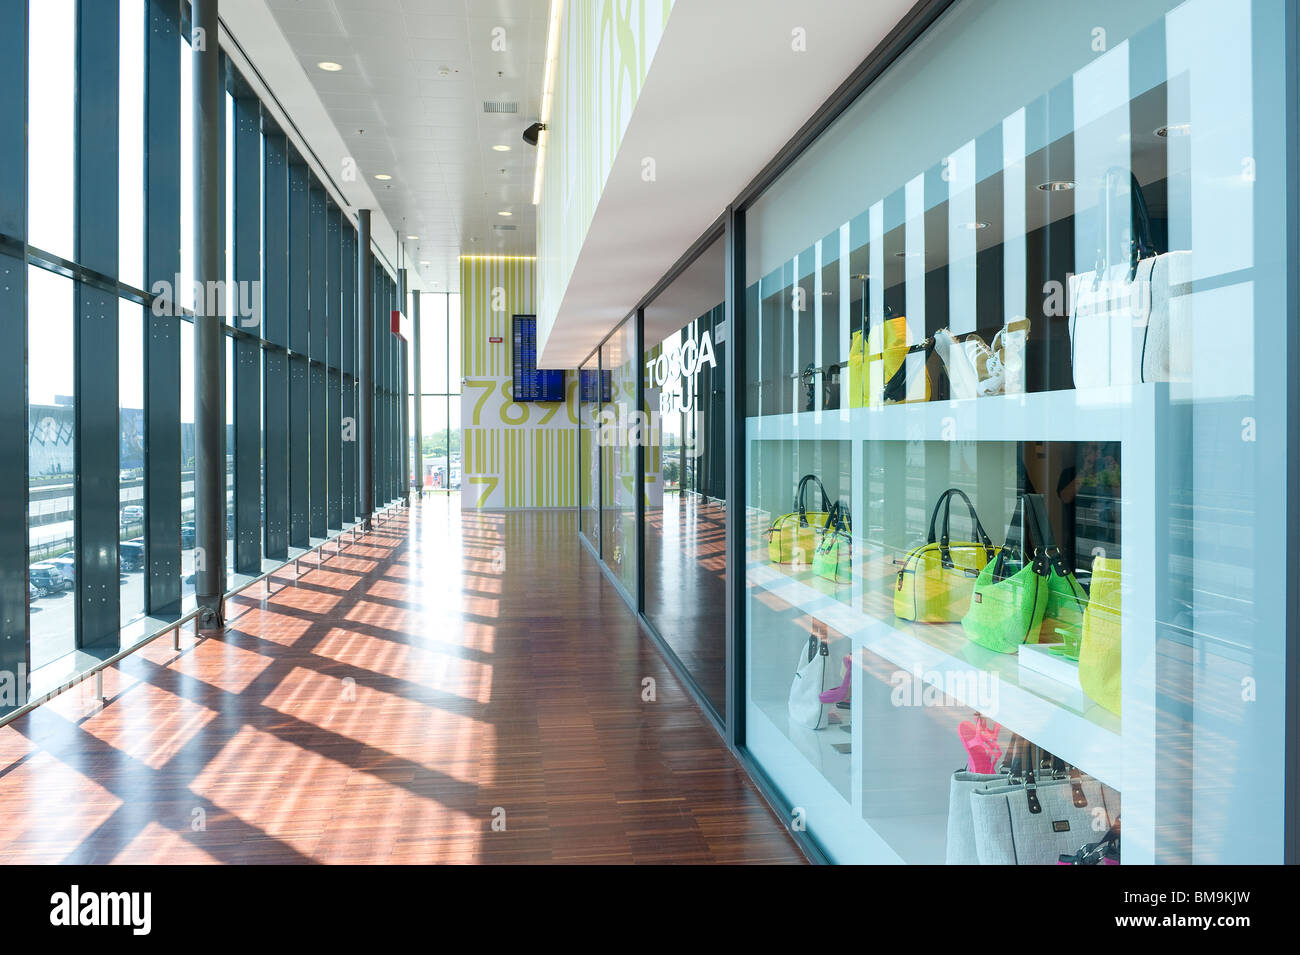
97 487
14 609
365 372
417 398
209 413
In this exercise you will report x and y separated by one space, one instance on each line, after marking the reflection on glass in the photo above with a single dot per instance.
187 459
1052 300
685 507
130 390
589 400
619 359
51 424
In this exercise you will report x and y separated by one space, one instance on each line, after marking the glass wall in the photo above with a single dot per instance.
589 399
440 379
617 442
93 231
685 456
1015 438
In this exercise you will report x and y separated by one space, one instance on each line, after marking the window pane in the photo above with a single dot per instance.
187 458
50 463
185 295
51 141
433 343
618 457
453 343
685 532
130 390
230 451
1052 310
131 145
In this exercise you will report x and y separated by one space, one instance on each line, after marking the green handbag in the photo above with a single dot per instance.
1011 595
833 559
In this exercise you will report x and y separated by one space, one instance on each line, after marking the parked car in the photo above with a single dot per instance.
132 514
131 554
67 567
187 535
46 578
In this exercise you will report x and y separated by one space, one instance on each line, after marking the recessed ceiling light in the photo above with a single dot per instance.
424 261
501 148
413 237
1057 185
975 226
329 66
505 212
1174 129
383 176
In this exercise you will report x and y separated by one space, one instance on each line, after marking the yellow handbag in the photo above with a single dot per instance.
1099 648
878 371
793 537
937 578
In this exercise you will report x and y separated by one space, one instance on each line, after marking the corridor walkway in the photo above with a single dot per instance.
453 689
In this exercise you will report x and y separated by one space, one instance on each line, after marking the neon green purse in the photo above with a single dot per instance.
1099 651
793 537
1010 594
833 559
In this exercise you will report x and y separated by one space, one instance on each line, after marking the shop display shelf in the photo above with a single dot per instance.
1025 702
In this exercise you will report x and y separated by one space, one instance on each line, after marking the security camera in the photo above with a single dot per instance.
531 133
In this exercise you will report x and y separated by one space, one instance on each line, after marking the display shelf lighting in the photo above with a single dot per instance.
548 89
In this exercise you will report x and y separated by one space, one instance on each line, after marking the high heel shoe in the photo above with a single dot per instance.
840 692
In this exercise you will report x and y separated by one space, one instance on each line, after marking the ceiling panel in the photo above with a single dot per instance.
408 103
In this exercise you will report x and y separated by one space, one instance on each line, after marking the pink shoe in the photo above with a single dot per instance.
840 692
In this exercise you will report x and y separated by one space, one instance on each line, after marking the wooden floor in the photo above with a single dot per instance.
447 673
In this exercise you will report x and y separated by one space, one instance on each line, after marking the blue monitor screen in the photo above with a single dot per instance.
531 383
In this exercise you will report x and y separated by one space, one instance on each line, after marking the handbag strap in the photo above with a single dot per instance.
1045 540
945 501
1141 243
896 388
800 495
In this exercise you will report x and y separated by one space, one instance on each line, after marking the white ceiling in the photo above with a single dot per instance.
409 103
725 92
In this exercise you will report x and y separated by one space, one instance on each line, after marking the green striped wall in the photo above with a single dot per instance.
513 454
605 51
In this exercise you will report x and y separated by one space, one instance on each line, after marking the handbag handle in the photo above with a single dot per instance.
945 501
896 388
1045 540
1141 243
801 492
1030 506
837 520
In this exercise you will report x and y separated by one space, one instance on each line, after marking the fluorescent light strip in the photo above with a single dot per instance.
548 86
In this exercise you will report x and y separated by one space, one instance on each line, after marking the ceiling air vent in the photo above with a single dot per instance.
499 106
505 228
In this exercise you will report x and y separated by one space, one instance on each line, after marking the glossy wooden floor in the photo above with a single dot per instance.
447 672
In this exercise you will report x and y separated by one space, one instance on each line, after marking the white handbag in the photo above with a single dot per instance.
805 706
1131 321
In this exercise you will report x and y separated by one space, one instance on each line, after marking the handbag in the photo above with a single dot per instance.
792 538
1040 813
1130 318
1010 594
959 847
805 706
937 578
1099 649
833 559
881 366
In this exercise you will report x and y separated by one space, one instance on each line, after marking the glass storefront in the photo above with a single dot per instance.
1015 444
618 530
685 483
